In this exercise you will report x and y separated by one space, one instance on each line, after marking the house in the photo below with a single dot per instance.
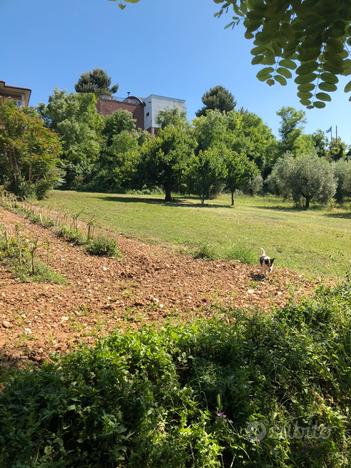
20 95
145 111
107 105
154 105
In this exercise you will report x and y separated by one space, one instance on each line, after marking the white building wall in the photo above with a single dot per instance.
155 104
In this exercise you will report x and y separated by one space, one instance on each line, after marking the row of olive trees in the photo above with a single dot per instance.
307 178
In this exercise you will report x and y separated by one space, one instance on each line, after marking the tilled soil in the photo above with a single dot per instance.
149 283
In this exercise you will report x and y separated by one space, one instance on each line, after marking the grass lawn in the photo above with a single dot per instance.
315 242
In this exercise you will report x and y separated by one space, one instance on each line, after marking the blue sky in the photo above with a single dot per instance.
169 47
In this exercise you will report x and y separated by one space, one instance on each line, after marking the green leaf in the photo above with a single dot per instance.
306 95
329 87
323 97
309 54
302 79
329 77
347 88
306 87
265 73
258 50
319 104
287 63
280 80
306 68
258 59
285 72
269 60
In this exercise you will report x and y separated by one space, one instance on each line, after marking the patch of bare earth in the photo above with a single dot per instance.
148 284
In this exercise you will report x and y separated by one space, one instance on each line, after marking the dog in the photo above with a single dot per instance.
266 263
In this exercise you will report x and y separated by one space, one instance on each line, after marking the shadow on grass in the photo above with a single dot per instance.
288 209
158 201
338 215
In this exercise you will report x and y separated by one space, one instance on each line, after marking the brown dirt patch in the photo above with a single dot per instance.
149 283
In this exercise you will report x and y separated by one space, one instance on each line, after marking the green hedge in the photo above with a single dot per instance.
191 395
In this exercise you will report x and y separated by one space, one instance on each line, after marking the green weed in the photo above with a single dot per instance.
252 391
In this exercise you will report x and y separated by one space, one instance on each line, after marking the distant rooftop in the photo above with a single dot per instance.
22 95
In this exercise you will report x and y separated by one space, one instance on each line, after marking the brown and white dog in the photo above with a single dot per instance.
266 263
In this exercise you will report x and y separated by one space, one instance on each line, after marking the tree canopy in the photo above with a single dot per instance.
75 119
96 81
217 98
305 39
28 152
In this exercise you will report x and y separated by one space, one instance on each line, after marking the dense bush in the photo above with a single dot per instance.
191 395
103 247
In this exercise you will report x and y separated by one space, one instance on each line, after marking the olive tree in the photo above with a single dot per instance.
307 178
342 172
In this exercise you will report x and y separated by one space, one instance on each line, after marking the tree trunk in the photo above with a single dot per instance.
168 195
232 193
202 199
307 204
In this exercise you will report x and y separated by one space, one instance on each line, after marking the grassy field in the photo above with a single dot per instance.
315 242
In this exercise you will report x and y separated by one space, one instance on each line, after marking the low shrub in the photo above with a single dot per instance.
70 235
252 391
19 255
205 252
241 254
103 247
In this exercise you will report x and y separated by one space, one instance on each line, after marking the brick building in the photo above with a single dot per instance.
20 95
145 111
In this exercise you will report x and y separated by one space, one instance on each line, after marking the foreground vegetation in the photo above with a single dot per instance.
260 391
316 243
98 245
19 255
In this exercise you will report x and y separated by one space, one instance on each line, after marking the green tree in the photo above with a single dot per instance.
97 82
217 98
164 159
207 170
304 144
28 152
257 141
240 171
342 172
118 162
307 178
337 150
114 124
320 143
174 117
75 119
212 129
291 126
